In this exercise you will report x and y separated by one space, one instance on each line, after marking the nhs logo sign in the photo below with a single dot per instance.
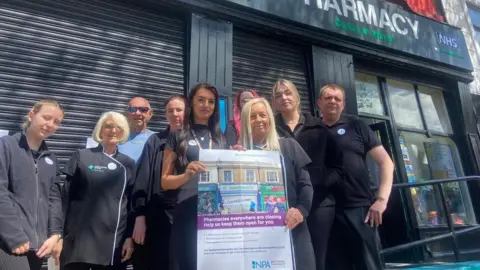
261 264
447 41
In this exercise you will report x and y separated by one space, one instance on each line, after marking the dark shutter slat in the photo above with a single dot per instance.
258 62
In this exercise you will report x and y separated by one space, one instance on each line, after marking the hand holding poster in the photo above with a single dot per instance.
241 212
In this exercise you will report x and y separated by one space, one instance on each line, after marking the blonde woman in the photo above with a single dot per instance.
326 168
98 187
258 132
30 199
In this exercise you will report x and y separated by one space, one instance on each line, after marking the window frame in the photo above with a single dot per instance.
247 178
202 175
277 179
231 174
475 26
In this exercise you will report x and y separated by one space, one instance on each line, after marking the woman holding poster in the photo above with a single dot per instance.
181 168
258 132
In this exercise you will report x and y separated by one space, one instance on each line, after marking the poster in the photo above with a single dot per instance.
408 163
440 160
241 212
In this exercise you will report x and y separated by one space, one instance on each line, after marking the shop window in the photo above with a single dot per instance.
250 176
272 176
205 177
368 94
434 109
404 106
475 18
227 176
435 158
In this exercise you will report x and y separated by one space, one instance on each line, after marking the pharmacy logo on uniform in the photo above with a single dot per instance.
95 168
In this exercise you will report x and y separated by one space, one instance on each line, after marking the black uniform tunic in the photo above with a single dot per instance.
184 229
149 200
231 134
97 194
299 195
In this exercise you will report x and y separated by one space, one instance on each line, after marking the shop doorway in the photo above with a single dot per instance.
380 128
394 219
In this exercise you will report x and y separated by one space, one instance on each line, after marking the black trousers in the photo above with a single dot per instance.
28 261
155 253
87 266
320 222
353 244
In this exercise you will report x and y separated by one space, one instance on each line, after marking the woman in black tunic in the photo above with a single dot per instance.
326 168
181 168
258 132
97 194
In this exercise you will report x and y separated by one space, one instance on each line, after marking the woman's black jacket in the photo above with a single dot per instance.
30 196
326 169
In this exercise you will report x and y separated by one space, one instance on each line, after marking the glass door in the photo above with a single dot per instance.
382 133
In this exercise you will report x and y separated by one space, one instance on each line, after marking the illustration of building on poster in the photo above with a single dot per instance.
241 212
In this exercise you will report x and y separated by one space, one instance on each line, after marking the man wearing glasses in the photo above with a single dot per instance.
138 114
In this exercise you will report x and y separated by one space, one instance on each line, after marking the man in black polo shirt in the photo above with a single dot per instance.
353 242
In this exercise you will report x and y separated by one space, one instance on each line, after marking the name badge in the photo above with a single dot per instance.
48 161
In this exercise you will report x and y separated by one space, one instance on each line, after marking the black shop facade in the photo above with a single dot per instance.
405 75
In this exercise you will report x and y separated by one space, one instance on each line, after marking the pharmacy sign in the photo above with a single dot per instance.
374 21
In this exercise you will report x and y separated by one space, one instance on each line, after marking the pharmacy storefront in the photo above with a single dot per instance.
405 75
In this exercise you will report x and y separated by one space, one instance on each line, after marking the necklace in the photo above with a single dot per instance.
202 138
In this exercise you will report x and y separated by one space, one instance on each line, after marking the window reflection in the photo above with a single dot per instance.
368 94
434 109
435 158
404 106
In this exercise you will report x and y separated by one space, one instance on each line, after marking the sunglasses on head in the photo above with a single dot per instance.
141 109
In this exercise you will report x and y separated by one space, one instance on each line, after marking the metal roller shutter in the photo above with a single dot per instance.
258 62
92 56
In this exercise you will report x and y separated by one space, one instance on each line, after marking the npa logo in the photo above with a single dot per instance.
261 264
447 41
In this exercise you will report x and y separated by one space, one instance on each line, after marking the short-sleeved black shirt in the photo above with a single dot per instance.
356 139
190 188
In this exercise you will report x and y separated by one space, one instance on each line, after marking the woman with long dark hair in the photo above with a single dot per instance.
181 168
232 133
